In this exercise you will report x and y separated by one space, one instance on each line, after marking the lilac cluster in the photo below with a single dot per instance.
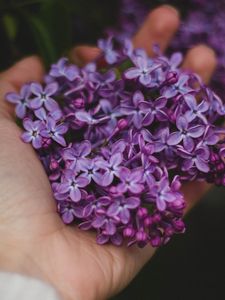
118 142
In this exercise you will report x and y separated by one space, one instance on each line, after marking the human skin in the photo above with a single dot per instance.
33 239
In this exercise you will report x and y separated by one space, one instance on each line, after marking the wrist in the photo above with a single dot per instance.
15 259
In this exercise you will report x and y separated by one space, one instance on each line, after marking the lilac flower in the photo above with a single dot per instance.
91 170
61 69
102 80
111 56
154 109
142 70
121 207
21 101
55 131
115 239
93 205
106 224
130 181
209 138
162 194
161 142
197 157
185 133
137 110
71 184
43 96
68 211
76 152
112 168
180 87
196 110
33 132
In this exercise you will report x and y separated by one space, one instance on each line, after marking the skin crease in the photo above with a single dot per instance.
33 239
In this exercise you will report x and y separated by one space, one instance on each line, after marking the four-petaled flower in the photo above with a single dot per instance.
198 157
112 168
180 87
185 133
142 70
196 110
43 96
121 207
162 194
62 69
71 184
111 56
21 100
131 180
55 131
33 132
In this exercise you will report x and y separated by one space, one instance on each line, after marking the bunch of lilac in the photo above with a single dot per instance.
195 29
118 142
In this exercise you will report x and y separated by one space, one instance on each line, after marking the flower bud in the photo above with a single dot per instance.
78 103
171 77
128 232
142 212
122 123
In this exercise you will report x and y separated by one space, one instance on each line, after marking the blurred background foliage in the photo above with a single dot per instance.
50 27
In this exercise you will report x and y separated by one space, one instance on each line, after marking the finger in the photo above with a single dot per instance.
84 54
159 27
26 70
201 60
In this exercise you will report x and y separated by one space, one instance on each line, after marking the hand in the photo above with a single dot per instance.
34 241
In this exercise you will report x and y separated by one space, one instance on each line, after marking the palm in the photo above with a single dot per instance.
65 256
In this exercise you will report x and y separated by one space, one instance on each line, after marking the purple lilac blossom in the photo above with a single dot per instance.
120 142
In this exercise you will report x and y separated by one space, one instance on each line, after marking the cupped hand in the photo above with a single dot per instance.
33 239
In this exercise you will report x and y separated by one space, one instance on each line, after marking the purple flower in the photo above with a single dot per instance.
185 133
137 110
21 100
154 109
162 194
33 132
76 152
91 170
93 205
180 87
196 110
68 210
106 224
61 69
115 239
71 184
111 56
121 207
197 157
112 168
142 70
131 180
55 131
43 96
102 80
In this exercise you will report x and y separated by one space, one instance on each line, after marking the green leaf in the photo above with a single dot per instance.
56 15
10 26
42 39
